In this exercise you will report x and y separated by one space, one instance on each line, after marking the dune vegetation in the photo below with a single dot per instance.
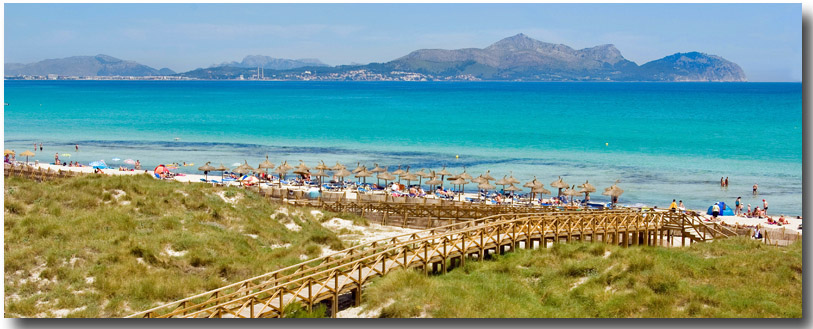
109 246
735 277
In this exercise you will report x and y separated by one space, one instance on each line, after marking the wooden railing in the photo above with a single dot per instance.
38 173
324 279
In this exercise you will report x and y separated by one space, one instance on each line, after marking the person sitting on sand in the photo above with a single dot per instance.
757 233
715 211
771 221
6 159
782 220
413 192
748 213
681 207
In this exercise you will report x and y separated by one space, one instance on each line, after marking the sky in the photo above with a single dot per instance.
764 39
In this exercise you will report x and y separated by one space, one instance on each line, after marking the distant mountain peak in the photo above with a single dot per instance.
272 63
99 65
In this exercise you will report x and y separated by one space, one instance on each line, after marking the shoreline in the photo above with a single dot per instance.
730 221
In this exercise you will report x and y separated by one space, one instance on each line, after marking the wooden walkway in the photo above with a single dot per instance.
433 250
37 174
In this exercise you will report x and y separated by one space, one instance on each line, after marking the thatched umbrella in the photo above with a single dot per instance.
462 183
560 184
377 169
485 185
282 170
359 168
301 168
338 166
266 164
27 154
399 171
7 152
386 176
487 175
512 188
222 169
464 174
614 192
502 181
243 168
512 180
342 173
587 188
571 192
206 169
443 173
321 166
479 180
534 183
363 173
540 190
434 181
320 173
423 174
409 177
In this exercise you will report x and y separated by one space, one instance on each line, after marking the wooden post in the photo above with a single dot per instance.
335 304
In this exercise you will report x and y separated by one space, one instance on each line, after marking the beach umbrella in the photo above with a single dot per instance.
485 186
399 171
266 164
27 154
571 192
443 173
587 188
222 169
321 173
487 175
560 184
464 174
423 174
613 191
511 179
363 173
434 181
206 169
338 166
461 182
479 180
129 161
502 181
409 177
342 173
322 166
7 152
533 184
359 168
386 176
540 190
301 167
101 164
280 171
160 169
512 188
378 169
242 170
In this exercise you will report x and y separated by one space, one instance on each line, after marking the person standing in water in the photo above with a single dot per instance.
738 206
77 147
755 188
722 182
726 181
765 207
40 147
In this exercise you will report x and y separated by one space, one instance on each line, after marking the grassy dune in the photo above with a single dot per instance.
730 278
101 246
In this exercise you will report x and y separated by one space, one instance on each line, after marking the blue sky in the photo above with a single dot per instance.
764 39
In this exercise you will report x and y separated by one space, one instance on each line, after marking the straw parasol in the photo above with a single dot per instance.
443 173
359 168
587 188
378 169
512 188
560 184
423 174
464 174
502 181
206 169
7 152
540 190
320 173
462 182
301 168
409 177
321 166
363 173
342 173
512 180
571 192
282 170
243 169
386 176
27 154
434 181
338 166
222 169
479 180
487 175
486 186
266 164
613 191
399 171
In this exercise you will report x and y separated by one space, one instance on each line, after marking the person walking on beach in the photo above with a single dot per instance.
755 188
765 206
715 211
56 159
673 206
726 181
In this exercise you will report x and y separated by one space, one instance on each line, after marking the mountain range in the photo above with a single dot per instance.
99 65
516 58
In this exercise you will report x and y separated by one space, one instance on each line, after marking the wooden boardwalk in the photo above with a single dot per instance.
345 272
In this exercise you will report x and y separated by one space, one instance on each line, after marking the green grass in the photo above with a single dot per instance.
729 278
120 242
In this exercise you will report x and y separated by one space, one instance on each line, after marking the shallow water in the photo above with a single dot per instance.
661 140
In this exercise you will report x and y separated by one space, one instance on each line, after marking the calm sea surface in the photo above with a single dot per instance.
661 140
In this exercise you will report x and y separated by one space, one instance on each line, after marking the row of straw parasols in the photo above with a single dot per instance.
461 180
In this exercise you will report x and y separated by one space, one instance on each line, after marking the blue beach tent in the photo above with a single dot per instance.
728 211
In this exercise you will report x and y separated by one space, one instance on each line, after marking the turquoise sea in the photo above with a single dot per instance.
663 141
